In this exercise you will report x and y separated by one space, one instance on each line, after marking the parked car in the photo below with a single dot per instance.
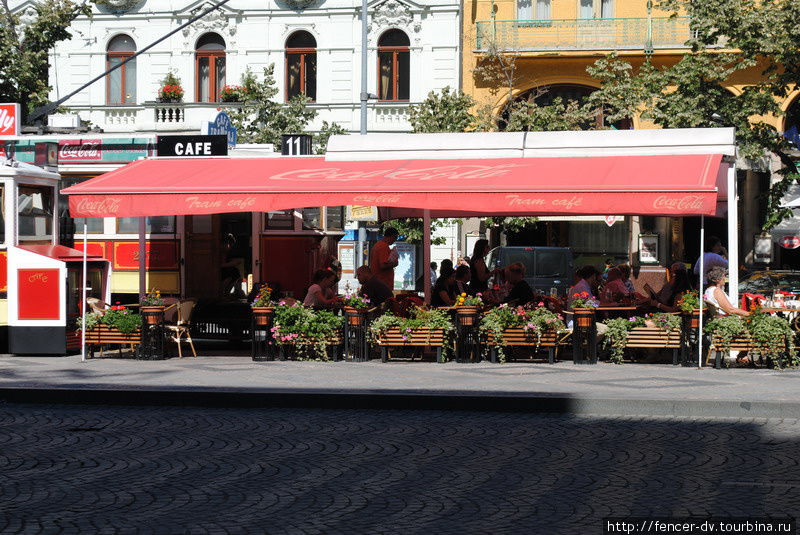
766 282
545 267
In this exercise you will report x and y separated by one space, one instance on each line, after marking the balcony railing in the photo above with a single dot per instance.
645 34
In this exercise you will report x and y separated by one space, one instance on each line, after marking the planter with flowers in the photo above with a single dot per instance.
355 309
689 304
152 307
170 90
583 307
467 308
308 334
117 325
423 328
505 326
233 93
263 306
769 336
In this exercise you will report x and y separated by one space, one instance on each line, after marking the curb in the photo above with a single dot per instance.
408 400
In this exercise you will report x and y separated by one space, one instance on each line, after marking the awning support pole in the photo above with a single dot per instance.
426 254
82 307
733 236
700 291
142 258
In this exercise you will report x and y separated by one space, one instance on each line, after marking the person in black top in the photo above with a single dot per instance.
461 284
521 292
442 294
374 289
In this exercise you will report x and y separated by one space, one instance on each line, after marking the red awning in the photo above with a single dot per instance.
59 252
674 185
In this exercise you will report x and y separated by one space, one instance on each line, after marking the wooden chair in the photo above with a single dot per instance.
180 331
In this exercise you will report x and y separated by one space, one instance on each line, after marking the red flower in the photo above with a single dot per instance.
584 294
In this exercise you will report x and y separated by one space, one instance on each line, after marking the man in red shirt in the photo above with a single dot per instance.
381 260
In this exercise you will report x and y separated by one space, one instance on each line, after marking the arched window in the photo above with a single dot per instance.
394 66
121 83
301 65
209 67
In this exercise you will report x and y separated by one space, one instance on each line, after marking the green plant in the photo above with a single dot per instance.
152 299
264 297
774 337
534 322
616 336
666 322
420 319
356 301
725 329
688 301
307 329
117 317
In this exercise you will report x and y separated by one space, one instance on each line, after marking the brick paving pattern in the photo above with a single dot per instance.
90 469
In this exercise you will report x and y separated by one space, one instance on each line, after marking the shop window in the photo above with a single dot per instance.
121 83
209 67
596 239
35 213
163 224
334 218
394 66
301 65
312 218
279 220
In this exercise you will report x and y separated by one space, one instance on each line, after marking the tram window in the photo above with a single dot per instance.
162 224
74 225
35 213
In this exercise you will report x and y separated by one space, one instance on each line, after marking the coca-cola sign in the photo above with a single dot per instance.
10 115
686 202
790 242
80 150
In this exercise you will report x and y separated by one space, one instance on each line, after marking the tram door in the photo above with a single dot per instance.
202 256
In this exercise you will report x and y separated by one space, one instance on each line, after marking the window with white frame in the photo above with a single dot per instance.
533 9
596 9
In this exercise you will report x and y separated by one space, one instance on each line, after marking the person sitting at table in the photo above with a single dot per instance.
614 290
666 300
442 293
588 280
375 290
319 295
715 294
626 278
520 291
461 285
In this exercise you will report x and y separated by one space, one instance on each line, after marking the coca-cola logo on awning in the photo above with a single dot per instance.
80 150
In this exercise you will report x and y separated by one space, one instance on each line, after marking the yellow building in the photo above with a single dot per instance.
546 46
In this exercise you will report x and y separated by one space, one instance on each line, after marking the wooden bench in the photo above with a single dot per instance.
738 343
517 337
105 335
334 342
655 338
394 337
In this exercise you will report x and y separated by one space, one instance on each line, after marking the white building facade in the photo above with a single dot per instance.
315 46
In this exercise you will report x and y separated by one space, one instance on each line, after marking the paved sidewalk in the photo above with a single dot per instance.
629 389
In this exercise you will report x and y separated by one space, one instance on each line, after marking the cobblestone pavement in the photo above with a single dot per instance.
91 469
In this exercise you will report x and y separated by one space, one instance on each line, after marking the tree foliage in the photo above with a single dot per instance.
263 120
731 39
447 111
25 42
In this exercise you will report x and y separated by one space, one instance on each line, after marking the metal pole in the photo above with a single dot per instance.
142 258
83 300
364 93
426 253
700 290
733 235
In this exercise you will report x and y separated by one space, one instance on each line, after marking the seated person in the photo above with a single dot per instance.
666 299
463 275
319 294
375 290
442 294
715 294
626 278
588 278
520 291
614 290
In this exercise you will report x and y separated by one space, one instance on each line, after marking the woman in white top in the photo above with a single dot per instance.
319 294
715 295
